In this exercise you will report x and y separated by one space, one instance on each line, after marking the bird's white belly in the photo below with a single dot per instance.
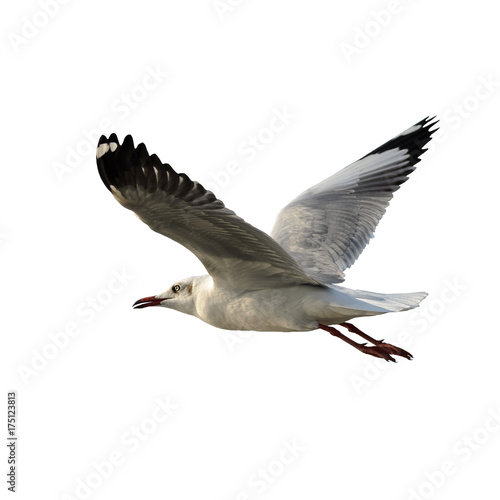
297 308
261 310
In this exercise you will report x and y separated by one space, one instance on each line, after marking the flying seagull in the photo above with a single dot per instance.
286 281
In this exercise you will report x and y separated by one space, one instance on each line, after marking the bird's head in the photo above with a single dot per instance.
179 296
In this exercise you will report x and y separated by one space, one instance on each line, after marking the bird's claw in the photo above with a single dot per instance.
379 351
397 351
385 351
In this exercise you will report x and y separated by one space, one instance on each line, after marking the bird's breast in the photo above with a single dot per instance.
280 309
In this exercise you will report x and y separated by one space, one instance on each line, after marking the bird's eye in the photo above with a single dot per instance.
176 288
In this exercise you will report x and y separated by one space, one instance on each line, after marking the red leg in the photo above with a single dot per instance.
372 350
379 350
379 343
357 331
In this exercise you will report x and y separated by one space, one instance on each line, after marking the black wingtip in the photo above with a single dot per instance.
431 122
128 142
428 123
122 165
413 139
107 148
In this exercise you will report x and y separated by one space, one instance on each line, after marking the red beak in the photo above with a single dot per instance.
146 302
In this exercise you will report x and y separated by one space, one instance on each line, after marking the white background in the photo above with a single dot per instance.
361 428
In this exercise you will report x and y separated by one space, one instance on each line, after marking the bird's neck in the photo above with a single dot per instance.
204 293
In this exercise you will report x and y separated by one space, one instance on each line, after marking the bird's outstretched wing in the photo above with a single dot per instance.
235 253
327 227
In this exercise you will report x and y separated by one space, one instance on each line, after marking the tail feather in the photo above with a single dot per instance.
390 302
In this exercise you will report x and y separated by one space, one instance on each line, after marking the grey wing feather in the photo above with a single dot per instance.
327 227
235 253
